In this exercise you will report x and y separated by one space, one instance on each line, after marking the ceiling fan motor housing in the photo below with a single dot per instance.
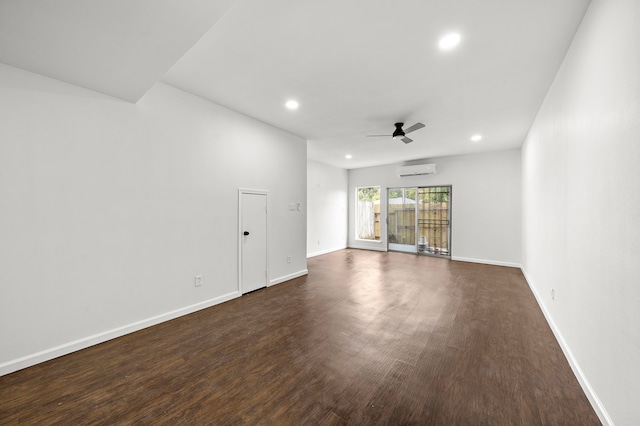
398 132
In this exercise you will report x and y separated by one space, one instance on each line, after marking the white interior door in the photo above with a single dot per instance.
253 241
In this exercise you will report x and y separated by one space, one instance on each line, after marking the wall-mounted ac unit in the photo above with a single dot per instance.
417 170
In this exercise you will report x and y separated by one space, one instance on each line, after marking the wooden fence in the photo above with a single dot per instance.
433 224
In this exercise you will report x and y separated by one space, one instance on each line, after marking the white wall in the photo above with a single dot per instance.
581 207
326 208
485 203
109 210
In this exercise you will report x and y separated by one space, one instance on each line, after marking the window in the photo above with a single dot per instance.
368 213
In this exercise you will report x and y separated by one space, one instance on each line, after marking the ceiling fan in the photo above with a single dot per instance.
400 134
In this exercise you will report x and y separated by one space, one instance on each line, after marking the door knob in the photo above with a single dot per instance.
246 232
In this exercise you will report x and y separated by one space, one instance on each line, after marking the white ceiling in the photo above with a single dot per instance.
117 47
355 66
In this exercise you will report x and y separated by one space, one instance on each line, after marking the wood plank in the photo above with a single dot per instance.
365 338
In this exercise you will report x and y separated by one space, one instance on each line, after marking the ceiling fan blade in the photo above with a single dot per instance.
378 136
406 140
413 128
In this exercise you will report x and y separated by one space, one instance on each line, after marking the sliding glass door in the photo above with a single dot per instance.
419 220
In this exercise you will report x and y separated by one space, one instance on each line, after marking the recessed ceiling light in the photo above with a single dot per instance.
291 104
476 138
449 41
348 157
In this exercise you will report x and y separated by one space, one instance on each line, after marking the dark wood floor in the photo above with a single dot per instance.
366 338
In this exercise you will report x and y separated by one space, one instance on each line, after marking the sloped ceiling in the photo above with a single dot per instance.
117 47
356 67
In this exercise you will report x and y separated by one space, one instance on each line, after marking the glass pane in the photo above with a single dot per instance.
368 213
434 219
401 230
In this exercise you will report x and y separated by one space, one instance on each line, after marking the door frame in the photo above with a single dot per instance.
449 225
241 192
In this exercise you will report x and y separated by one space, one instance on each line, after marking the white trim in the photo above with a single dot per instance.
83 343
368 241
366 247
241 192
597 405
288 277
487 262
319 253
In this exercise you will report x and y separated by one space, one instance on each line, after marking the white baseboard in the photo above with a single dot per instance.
288 277
319 253
597 405
487 262
76 345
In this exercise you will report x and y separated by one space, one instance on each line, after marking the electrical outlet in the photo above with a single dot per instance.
289 259
198 280
553 294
